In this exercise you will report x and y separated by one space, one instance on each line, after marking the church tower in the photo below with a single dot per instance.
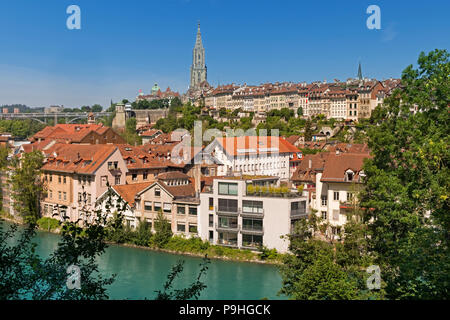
360 77
198 68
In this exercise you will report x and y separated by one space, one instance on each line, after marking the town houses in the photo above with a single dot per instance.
351 100
242 192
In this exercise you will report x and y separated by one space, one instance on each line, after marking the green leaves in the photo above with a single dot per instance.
407 182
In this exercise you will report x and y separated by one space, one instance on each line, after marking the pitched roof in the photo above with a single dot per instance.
255 145
172 175
128 191
337 165
77 158
293 139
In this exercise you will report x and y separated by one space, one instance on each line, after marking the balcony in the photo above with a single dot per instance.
299 213
232 228
251 245
228 210
227 243
252 230
253 214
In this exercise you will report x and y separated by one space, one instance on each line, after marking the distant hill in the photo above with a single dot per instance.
22 108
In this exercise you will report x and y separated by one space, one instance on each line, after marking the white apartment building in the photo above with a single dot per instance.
253 155
233 215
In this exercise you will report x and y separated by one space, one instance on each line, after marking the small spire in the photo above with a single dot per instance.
359 71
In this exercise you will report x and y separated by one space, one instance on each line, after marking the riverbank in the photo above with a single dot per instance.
193 247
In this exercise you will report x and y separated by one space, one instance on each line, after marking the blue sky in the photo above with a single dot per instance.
124 46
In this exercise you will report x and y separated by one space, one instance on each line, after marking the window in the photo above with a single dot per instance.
181 209
228 205
211 220
80 197
192 228
59 179
349 196
249 240
157 192
336 195
134 177
252 224
211 235
228 222
298 207
157 206
117 180
104 181
181 227
335 215
167 207
147 205
50 178
50 194
64 179
324 200
193 211
228 188
324 215
89 198
64 196
252 206
211 203
349 176
145 175
59 195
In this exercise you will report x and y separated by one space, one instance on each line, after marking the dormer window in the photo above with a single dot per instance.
349 175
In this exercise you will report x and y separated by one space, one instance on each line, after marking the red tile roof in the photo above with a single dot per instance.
255 145
337 165
77 158
128 191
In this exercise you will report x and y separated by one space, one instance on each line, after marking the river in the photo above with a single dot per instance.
140 272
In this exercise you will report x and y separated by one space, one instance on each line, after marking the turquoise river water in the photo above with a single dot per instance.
140 272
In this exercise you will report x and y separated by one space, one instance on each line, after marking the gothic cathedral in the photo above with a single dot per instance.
198 68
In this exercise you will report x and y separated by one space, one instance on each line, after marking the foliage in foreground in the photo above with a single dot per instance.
25 275
408 180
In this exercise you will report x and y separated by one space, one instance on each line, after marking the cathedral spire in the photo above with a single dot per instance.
198 41
198 68
359 71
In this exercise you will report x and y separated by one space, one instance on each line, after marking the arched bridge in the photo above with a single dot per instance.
42 116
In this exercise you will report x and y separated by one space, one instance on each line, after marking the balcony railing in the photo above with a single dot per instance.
233 227
228 243
251 245
252 230
253 214
228 210
298 213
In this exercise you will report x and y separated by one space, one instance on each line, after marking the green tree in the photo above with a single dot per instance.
308 131
407 183
26 275
300 111
27 187
163 230
96 108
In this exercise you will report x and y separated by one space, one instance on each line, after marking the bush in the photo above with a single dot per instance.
49 224
141 236
269 254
